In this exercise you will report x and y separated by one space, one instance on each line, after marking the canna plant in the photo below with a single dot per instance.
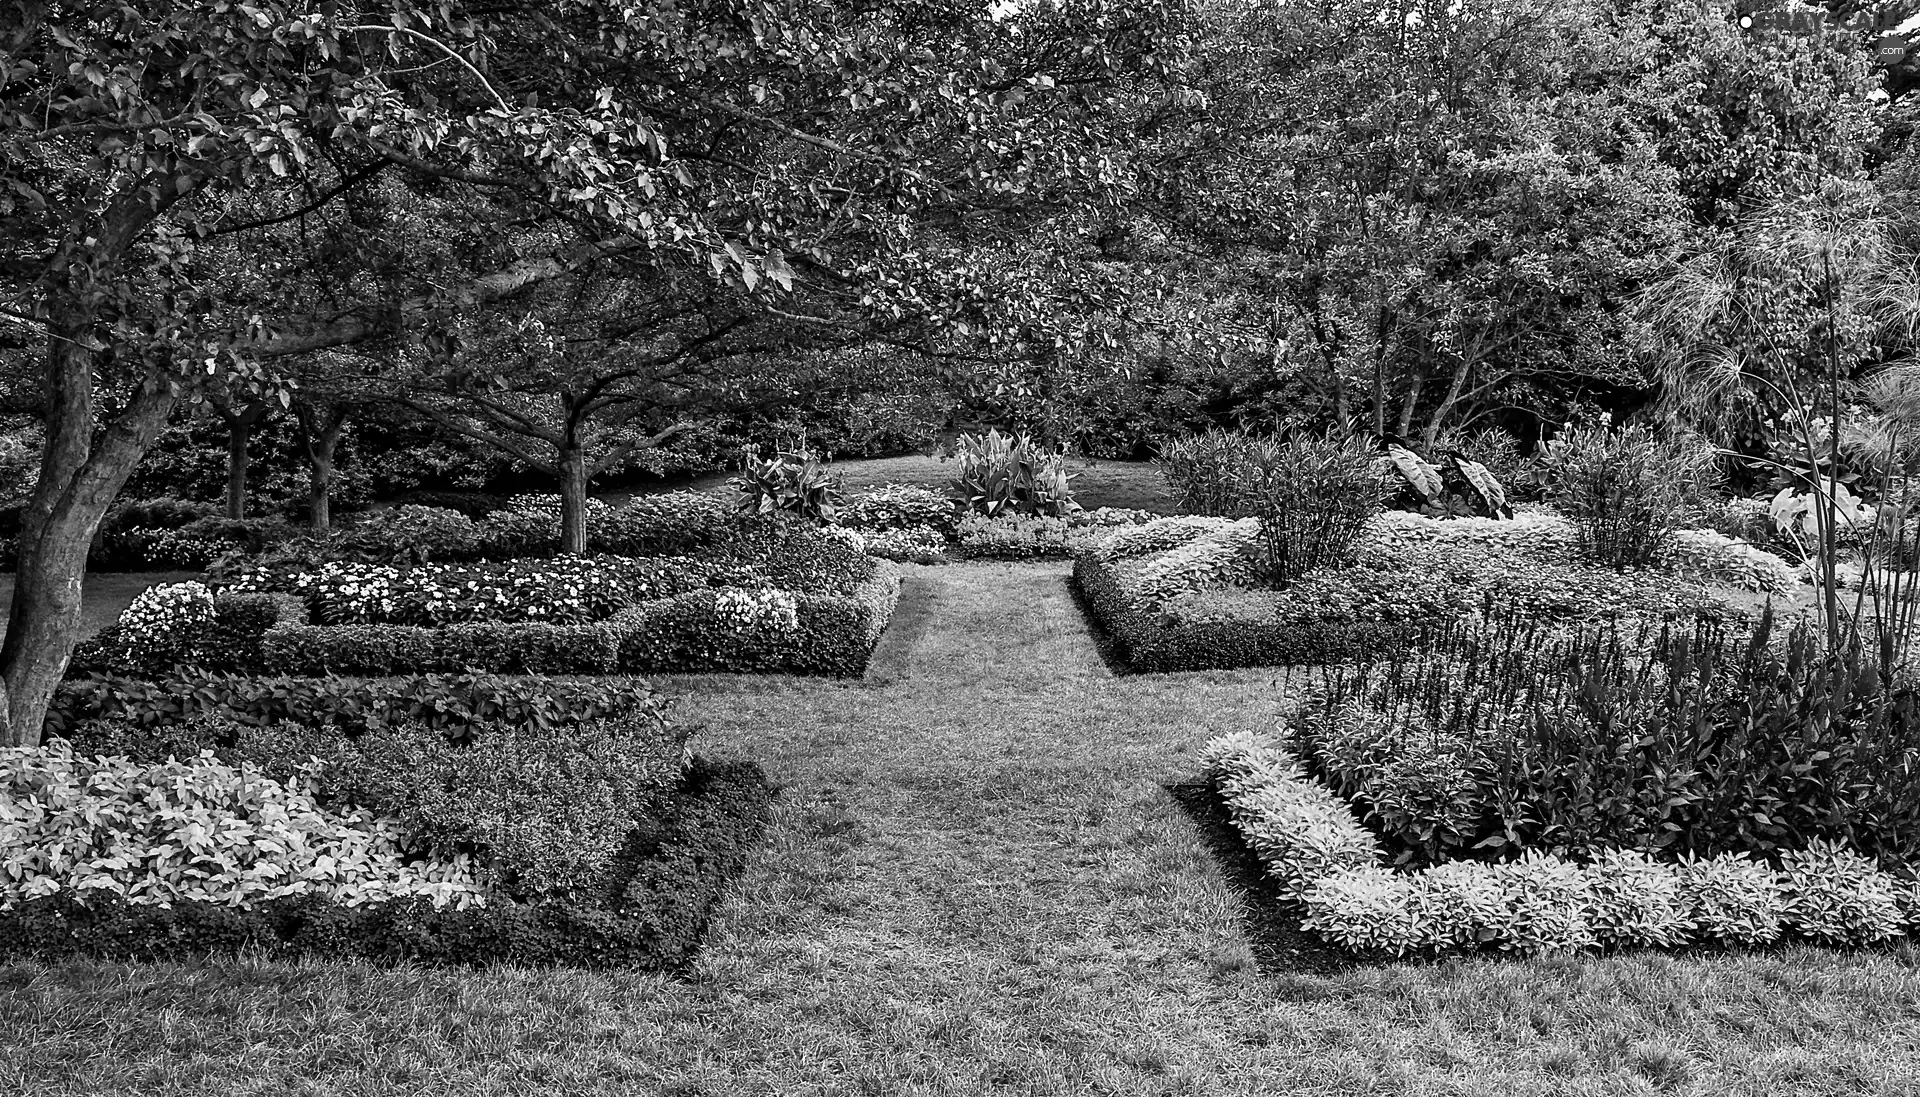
1011 474
787 484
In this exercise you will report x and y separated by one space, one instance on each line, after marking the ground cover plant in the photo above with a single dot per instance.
450 819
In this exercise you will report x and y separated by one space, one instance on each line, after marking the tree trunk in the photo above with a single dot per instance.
573 499
238 435
319 435
1412 402
78 482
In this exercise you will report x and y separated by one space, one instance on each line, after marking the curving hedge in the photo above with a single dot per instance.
652 918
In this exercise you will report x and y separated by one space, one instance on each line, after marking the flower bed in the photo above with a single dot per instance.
445 819
1332 870
1173 594
653 916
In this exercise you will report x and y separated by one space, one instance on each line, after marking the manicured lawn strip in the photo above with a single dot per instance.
976 883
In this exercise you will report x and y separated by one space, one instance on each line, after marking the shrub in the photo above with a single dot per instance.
1002 474
474 504
1626 490
1369 909
1734 898
412 533
1301 831
669 524
225 638
520 647
1313 495
459 706
1209 473
1013 536
899 507
1158 535
914 544
1836 896
1714 557
1224 557
787 483
665 885
165 832
831 634
1637 901
545 816
166 614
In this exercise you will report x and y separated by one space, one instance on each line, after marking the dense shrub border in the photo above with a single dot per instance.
834 635
1149 639
1331 868
672 880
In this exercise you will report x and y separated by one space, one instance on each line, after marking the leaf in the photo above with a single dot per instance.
1423 478
1492 496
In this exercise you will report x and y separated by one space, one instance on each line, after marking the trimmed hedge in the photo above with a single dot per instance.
1234 632
1332 870
833 634
653 918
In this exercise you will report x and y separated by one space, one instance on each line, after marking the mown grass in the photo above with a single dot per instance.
103 594
1096 483
977 883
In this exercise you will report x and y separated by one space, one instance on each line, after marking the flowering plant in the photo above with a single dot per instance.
567 590
168 614
747 611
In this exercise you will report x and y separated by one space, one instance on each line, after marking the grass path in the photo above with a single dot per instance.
976 883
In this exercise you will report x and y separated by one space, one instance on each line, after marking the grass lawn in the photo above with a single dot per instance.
103 595
978 882
1096 483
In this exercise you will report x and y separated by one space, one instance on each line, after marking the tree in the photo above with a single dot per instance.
147 149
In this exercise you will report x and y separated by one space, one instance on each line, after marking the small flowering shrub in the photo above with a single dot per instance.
1113 517
748 612
174 831
1370 909
851 538
915 544
168 615
409 533
548 505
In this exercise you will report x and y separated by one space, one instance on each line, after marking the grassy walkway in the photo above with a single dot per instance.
977 883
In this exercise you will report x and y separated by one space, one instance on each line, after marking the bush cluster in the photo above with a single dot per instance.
911 544
1538 903
1684 736
566 590
166 831
900 507
665 882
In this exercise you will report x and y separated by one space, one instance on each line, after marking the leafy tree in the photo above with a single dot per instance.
456 156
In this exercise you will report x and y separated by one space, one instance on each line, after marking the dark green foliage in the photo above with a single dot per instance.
1626 490
787 483
835 634
796 558
474 504
518 647
459 706
1682 737
1011 474
658 901
671 524
1207 473
1313 495
546 813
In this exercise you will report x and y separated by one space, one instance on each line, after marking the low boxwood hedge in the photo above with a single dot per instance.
833 635
652 918
1234 632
